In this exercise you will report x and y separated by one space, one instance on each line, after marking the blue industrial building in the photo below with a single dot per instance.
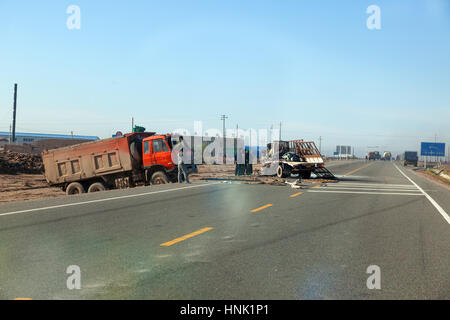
22 138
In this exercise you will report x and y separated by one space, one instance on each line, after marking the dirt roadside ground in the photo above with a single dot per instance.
21 187
421 172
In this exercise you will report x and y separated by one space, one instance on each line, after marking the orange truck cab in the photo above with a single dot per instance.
157 159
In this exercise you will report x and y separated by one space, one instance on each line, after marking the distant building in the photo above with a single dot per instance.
3 141
22 138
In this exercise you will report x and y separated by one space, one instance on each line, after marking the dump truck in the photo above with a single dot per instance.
410 157
119 162
374 155
295 157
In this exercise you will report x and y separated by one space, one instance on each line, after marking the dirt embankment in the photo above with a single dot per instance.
21 178
14 163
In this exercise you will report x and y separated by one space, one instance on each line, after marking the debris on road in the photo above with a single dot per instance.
296 184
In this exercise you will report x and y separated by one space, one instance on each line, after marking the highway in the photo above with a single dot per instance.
236 241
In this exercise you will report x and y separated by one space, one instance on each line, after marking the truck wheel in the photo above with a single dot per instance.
283 172
96 187
306 174
75 188
159 177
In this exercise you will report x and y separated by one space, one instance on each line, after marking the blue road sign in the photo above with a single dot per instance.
433 149
336 153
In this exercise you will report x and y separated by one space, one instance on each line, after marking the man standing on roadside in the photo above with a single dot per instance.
182 170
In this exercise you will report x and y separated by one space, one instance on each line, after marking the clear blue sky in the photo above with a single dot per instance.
311 64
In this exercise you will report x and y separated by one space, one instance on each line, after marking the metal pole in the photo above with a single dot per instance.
435 141
132 124
280 131
320 145
14 115
223 118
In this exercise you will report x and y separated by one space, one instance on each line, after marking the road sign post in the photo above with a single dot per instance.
430 149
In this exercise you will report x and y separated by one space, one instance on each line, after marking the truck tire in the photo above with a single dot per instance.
75 188
96 187
305 174
283 171
159 177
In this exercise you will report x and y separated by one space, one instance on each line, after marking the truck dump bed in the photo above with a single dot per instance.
93 159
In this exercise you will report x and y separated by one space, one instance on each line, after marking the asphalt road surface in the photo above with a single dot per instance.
235 241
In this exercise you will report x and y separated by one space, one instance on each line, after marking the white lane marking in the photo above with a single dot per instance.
341 176
103 200
363 192
434 203
369 186
373 189
372 184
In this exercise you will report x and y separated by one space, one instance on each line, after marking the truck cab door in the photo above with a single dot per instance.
148 158
162 153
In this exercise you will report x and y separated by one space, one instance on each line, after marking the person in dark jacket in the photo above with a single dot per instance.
182 170
248 167
240 163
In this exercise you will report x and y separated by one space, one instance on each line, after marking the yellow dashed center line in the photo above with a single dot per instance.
296 195
356 170
316 187
262 208
188 236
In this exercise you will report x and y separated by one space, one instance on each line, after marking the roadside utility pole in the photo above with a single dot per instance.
320 145
280 131
14 115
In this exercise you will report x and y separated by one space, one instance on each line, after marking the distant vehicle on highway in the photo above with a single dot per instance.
410 157
387 156
374 155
